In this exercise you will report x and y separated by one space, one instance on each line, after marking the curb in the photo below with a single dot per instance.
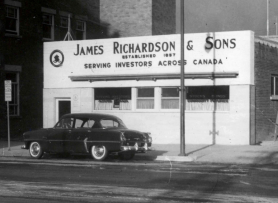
175 158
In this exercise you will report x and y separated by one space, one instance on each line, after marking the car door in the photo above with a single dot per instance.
57 138
79 135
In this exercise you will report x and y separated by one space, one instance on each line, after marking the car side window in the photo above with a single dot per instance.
89 124
108 123
78 123
65 123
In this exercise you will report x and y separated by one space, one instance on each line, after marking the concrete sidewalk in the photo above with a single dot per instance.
266 153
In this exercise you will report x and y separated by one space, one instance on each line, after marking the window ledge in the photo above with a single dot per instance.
13 36
47 40
274 97
15 117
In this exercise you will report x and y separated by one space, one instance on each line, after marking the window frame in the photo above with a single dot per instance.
208 101
170 98
51 25
138 98
66 20
12 32
81 30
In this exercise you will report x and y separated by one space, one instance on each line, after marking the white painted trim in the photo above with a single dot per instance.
57 107
48 10
12 3
13 68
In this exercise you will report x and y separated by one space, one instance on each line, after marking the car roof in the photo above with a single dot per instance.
88 115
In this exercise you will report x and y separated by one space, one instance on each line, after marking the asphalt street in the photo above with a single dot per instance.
80 179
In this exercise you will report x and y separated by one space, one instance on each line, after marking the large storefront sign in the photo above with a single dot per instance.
204 52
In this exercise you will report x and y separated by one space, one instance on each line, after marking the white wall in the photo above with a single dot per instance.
232 127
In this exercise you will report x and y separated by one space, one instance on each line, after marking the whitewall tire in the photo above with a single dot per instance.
35 150
99 152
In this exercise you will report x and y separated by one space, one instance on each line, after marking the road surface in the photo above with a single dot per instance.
80 179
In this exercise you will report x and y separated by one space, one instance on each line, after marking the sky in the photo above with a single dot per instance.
230 15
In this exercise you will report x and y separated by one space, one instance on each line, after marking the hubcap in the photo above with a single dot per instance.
99 151
35 149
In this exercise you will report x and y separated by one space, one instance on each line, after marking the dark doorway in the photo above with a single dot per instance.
64 107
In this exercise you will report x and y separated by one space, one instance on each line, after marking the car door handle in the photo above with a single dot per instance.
69 131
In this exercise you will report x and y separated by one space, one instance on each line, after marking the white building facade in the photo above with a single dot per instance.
138 80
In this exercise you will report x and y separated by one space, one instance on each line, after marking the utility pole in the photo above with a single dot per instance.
276 26
267 21
182 120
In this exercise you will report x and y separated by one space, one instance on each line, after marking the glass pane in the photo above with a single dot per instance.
272 85
11 76
146 92
170 104
11 12
79 35
125 105
64 22
47 19
276 85
46 31
11 24
170 92
78 123
109 124
67 123
145 104
80 25
112 93
208 92
103 104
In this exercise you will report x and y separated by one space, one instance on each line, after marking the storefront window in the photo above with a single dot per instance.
170 98
113 98
145 98
207 98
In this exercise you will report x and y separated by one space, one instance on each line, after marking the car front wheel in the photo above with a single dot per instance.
35 150
99 152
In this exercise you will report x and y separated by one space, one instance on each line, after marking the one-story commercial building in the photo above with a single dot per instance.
138 80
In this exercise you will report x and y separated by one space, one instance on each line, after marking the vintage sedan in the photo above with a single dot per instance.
81 133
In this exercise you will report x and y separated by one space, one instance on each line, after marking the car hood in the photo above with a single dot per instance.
35 133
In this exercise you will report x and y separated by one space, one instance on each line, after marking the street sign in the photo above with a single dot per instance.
8 90
8 98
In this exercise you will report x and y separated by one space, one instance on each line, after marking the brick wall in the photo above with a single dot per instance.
127 18
266 64
163 17
26 51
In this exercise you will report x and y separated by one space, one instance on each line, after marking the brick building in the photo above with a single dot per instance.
26 24
266 86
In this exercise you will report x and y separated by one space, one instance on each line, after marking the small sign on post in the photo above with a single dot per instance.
8 98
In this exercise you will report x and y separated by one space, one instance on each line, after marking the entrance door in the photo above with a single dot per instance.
63 106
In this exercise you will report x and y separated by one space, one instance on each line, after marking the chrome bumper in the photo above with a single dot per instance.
136 148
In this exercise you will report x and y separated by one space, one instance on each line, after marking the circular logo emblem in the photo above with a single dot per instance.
57 58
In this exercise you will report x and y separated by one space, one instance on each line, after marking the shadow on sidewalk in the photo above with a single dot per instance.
197 150
4 144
